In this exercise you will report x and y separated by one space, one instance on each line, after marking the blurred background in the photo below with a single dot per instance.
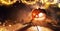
15 13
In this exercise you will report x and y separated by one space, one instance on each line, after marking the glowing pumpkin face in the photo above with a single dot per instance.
38 15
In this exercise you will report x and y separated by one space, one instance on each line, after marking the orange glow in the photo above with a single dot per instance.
47 4
49 1
36 28
7 2
34 14
3 29
30 2
40 17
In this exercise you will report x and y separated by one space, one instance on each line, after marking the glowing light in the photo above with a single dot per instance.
3 29
39 28
46 5
59 5
43 29
50 1
30 2
8 2
40 17
34 14
36 28
54 2
10 25
43 1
